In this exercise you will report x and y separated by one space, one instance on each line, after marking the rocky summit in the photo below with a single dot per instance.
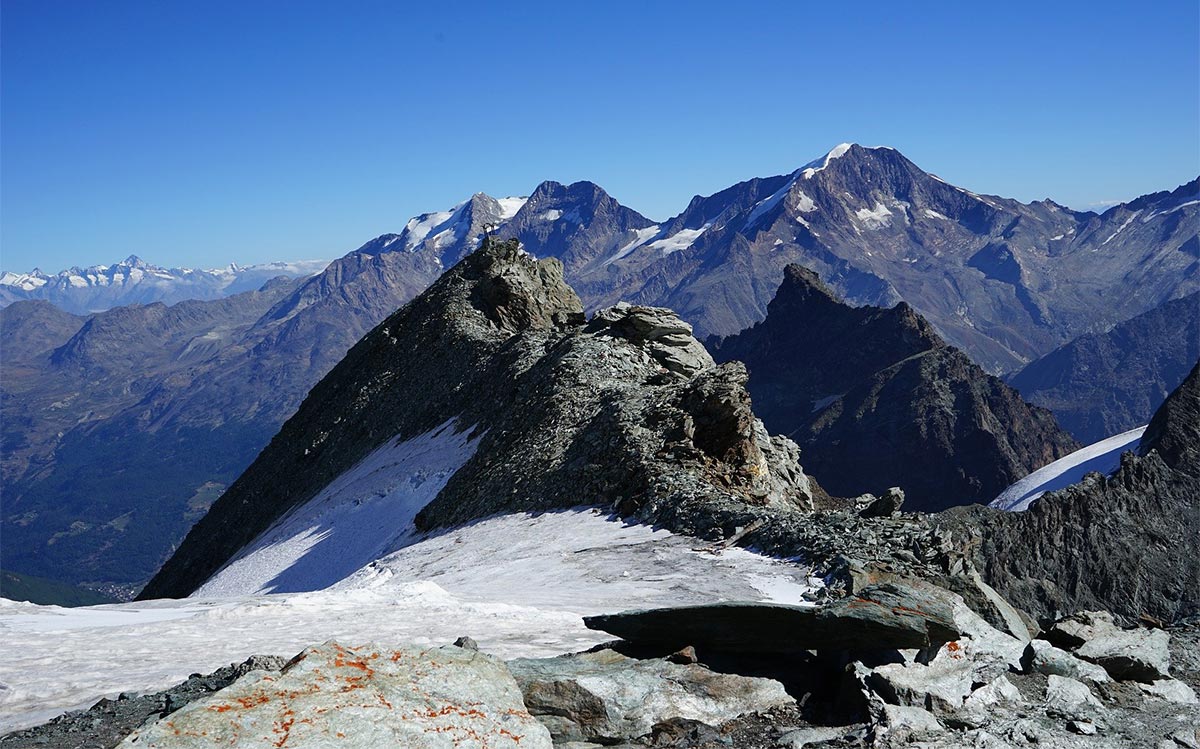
626 409
875 398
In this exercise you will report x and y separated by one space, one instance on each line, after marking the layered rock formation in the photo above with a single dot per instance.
876 398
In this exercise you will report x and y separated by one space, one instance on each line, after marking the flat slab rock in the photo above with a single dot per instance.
606 697
332 695
887 616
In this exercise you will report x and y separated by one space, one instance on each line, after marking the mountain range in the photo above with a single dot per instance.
134 281
88 436
1104 383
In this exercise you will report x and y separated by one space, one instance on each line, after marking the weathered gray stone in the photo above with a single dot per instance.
884 506
888 616
939 687
799 738
1140 654
1043 658
1073 631
1171 690
606 697
1071 699
331 695
910 720
980 707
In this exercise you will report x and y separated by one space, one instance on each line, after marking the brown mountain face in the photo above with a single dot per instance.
876 399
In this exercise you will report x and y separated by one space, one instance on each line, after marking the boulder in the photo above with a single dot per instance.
1139 654
1171 690
889 616
910 720
800 738
1043 658
884 506
1073 631
331 695
981 707
939 687
1071 699
605 697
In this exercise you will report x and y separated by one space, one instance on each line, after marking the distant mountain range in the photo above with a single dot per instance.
1101 384
134 281
98 410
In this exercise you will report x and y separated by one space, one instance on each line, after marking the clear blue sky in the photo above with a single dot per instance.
196 133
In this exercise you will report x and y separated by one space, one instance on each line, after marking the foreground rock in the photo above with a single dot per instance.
880 617
370 696
109 721
1120 543
605 697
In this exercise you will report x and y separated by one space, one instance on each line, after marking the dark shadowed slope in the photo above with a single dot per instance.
876 399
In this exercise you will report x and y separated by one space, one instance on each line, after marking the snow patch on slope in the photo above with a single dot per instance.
1103 456
680 240
769 202
641 237
510 206
519 584
875 218
363 514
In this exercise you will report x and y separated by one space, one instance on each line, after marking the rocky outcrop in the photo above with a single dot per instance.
626 410
1102 384
880 617
368 695
875 398
604 697
1114 543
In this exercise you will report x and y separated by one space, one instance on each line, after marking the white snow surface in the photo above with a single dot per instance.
519 584
680 240
876 217
837 152
1103 456
360 516
641 236
510 206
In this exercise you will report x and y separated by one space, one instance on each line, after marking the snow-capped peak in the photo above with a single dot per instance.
815 166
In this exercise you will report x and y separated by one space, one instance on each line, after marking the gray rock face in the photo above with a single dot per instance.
623 411
887 616
371 696
604 696
1106 543
1043 658
1142 655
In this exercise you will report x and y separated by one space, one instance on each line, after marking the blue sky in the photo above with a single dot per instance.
200 133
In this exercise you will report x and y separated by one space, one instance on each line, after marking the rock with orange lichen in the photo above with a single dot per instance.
331 695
